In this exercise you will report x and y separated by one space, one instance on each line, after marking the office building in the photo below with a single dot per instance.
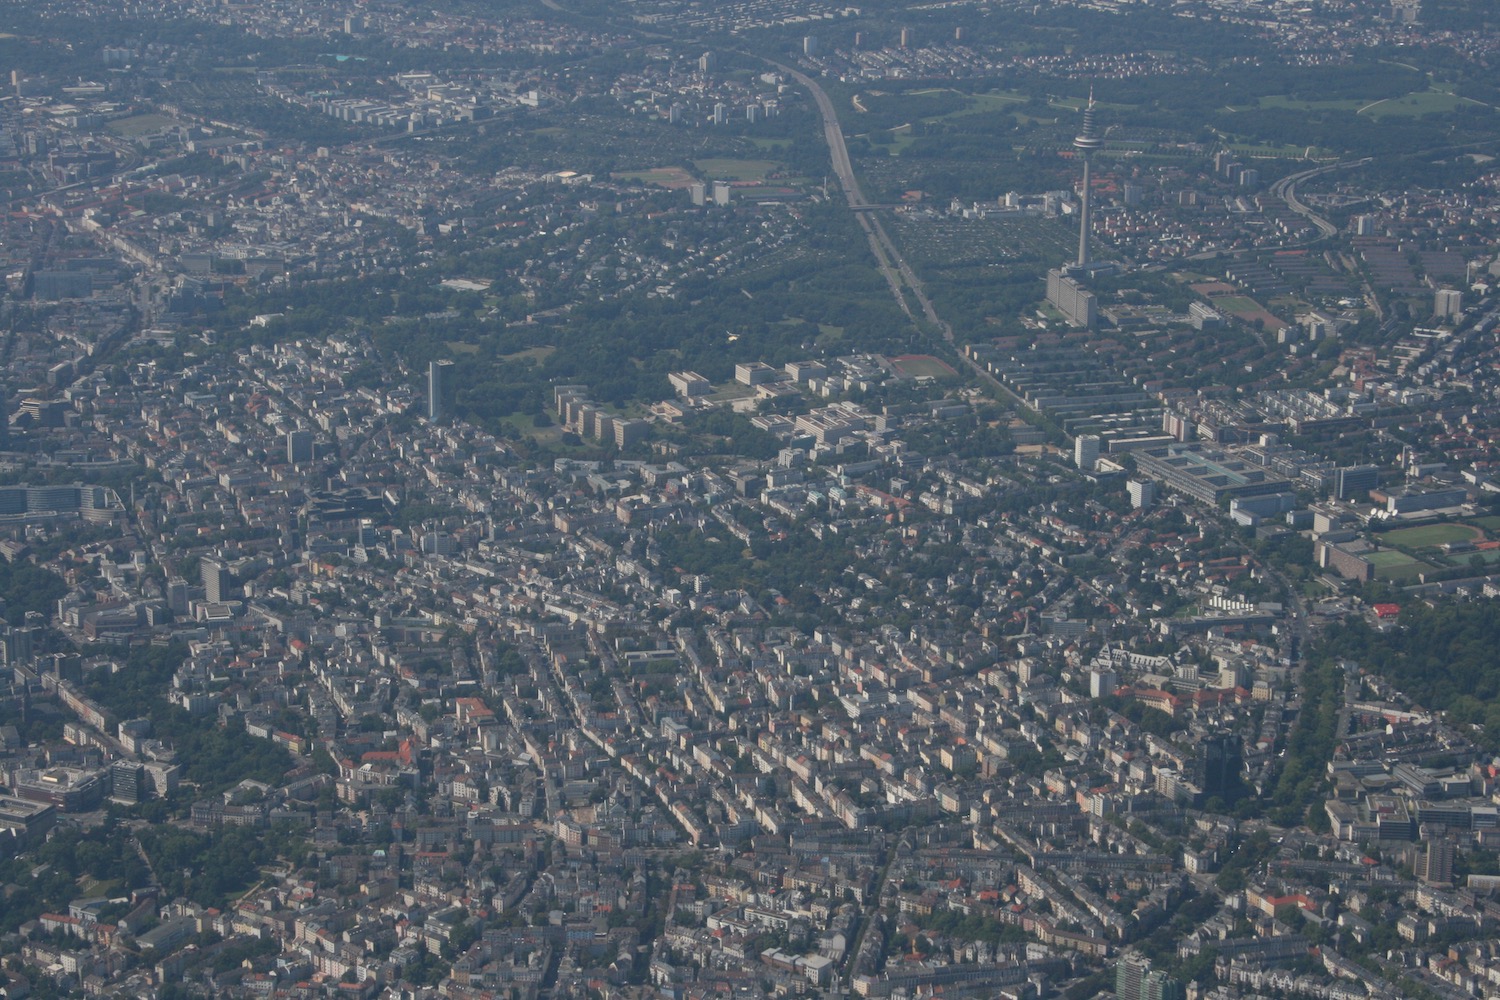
1436 865
435 371
177 595
1103 682
1205 472
1135 980
299 447
218 582
689 384
629 433
129 782
1086 451
1355 482
1142 493
1067 296
97 504
1448 303
1218 766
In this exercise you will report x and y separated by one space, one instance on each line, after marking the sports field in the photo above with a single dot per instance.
1392 565
735 170
923 366
1431 535
667 177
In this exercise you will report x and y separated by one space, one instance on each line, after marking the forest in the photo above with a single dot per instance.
213 758
1442 656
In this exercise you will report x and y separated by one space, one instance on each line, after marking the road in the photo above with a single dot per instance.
898 274
1286 190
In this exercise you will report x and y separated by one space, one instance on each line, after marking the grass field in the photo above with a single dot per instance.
1392 565
736 170
1412 105
667 177
1282 101
923 366
1491 523
459 347
537 354
1431 535
139 125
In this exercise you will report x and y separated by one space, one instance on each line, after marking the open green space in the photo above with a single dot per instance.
1428 102
138 125
1284 101
1393 565
667 177
537 354
1386 558
1490 523
724 169
1430 535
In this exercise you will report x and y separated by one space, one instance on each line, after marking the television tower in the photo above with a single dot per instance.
1086 142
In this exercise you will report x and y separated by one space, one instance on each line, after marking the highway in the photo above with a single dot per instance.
898 274
1286 190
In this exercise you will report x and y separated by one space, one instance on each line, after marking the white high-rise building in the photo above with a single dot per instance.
1142 493
1448 303
1086 451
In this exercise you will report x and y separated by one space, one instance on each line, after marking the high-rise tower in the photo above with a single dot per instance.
1086 142
435 389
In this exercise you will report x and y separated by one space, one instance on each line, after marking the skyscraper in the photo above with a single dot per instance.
1436 866
1218 766
299 447
1086 142
1086 451
435 389
1135 980
218 581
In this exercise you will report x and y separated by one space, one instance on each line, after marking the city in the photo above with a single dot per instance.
762 500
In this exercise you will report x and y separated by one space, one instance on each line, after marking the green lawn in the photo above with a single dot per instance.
1430 535
1413 105
139 125
1392 565
537 354
1283 101
667 177
723 169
